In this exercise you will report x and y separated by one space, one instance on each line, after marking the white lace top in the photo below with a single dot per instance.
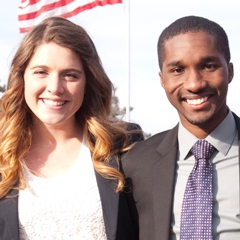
64 207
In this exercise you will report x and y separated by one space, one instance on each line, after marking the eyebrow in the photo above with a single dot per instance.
64 70
174 63
209 59
38 66
203 59
73 70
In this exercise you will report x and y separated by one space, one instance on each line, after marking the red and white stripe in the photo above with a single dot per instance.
32 12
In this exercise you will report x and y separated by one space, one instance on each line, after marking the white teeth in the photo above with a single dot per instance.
53 103
196 101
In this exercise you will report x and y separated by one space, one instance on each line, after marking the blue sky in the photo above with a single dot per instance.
107 27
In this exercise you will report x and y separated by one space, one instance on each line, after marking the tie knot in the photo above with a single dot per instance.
202 149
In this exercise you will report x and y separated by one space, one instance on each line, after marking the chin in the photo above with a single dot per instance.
52 122
200 121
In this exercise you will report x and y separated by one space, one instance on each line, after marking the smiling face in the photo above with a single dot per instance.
54 83
195 76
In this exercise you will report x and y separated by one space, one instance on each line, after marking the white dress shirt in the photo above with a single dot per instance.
226 226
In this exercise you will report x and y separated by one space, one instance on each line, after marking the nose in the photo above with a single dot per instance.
55 84
194 81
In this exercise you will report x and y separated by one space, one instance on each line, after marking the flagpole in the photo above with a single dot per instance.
127 5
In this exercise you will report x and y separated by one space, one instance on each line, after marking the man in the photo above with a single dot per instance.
194 60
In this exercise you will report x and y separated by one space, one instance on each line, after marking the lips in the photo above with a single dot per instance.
53 103
197 101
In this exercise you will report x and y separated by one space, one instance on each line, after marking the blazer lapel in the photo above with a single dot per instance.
163 175
237 119
110 202
9 226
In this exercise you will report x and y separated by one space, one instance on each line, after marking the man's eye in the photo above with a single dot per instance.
177 70
210 66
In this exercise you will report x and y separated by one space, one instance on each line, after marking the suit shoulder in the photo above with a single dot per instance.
153 141
236 117
133 126
135 133
143 148
142 153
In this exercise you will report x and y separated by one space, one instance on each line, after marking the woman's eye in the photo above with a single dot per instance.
40 72
71 76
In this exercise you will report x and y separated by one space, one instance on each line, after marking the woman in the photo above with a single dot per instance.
59 168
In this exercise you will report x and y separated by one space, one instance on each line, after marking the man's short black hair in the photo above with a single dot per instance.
194 24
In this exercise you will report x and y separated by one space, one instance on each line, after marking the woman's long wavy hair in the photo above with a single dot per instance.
105 137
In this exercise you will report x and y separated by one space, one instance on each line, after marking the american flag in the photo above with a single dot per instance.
32 12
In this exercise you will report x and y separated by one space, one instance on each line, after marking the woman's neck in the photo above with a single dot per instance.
55 134
54 149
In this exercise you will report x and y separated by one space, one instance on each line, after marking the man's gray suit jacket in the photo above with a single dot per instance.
151 167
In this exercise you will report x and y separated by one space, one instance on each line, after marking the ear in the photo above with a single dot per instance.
161 78
230 72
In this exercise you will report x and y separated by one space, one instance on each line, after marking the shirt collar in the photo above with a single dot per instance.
221 137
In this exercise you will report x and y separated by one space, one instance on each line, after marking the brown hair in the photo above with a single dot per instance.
105 137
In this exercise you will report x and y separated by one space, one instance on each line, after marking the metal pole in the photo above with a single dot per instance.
128 59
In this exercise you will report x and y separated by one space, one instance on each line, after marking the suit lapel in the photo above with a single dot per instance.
237 119
163 175
110 202
9 225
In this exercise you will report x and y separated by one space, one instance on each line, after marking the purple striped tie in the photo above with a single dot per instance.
196 217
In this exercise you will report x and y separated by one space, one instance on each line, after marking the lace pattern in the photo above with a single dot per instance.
64 207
